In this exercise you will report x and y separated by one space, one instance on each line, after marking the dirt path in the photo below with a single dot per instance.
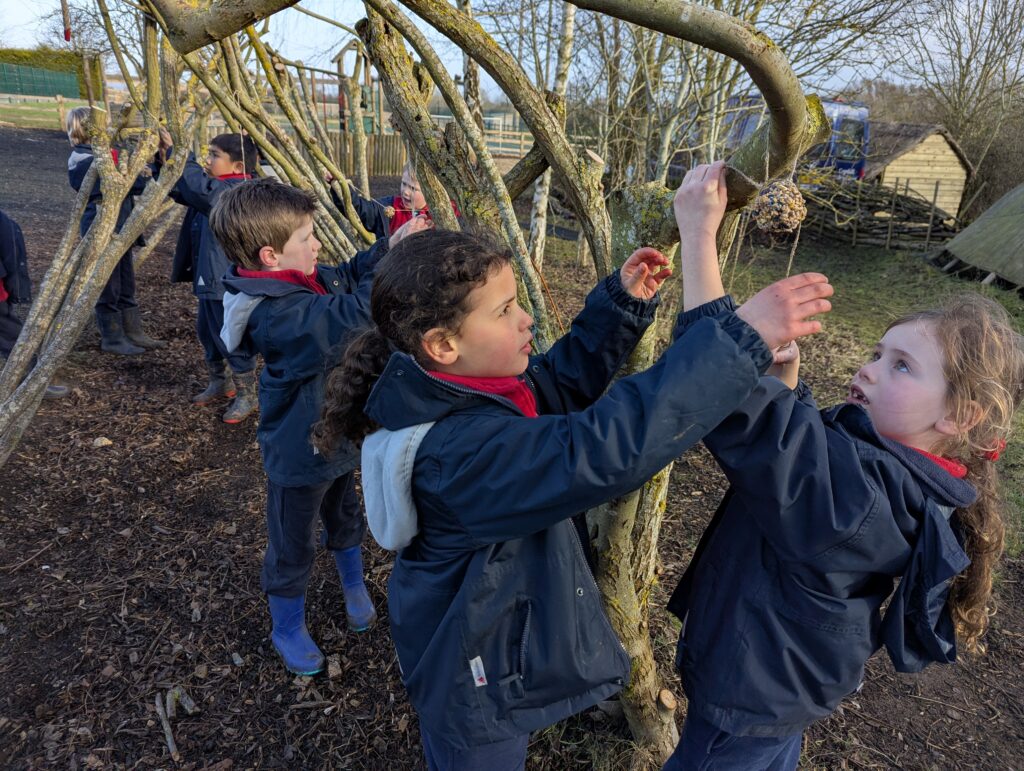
130 569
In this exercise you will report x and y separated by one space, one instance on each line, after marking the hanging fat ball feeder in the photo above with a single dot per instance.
779 207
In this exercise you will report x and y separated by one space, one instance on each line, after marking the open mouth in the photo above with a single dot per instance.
856 396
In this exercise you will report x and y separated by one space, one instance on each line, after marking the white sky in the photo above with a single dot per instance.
297 36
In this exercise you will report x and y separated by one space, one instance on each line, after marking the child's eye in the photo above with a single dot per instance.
506 310
902 366
875 356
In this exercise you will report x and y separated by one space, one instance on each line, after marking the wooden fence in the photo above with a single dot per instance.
385 153
895 217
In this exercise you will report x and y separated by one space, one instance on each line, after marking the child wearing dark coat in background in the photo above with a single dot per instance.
198 258
15 287
297 314
117 312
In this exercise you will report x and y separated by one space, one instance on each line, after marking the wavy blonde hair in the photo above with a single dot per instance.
984 368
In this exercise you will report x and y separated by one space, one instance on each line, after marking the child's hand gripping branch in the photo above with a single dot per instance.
779 312
639 274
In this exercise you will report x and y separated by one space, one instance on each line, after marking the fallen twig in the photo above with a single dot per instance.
162 714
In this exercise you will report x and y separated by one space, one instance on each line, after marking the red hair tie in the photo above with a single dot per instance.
993 455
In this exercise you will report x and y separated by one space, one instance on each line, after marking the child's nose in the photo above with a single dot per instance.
867 372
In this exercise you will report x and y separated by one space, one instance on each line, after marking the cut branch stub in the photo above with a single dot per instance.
192 24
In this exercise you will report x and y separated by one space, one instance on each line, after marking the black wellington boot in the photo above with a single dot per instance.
132 322
112 339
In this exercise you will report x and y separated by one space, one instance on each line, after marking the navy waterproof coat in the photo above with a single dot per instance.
495 615
781 604
198 257
301 336
79 161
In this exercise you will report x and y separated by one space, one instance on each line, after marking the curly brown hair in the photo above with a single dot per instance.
984 367
423 283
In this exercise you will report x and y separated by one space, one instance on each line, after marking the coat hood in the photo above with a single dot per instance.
917 628
387 459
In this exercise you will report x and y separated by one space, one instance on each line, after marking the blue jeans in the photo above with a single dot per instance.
703 747
508 755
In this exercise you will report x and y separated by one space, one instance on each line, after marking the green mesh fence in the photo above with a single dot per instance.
16 79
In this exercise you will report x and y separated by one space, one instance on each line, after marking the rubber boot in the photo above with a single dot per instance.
132 322
358 605
244 404
290 636
220 386
56 391
112 339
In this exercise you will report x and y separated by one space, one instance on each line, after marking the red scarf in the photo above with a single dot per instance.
403 215
512 388
235 176
951 465
3 292
297 277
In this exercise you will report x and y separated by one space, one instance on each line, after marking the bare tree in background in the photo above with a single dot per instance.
968 58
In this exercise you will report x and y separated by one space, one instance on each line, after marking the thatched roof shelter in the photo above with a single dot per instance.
995 241
921 154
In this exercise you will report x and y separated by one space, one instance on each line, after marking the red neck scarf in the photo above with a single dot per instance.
235 176
312 283
512 388
951 465
403 215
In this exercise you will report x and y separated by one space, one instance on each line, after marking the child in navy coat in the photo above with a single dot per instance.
781 604
117 311
297 314
16 287
199 259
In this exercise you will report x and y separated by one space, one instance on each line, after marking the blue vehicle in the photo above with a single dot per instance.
846 149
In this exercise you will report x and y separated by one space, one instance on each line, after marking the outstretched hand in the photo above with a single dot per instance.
781 312
640 275
417 224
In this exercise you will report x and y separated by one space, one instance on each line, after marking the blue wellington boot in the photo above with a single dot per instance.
358 605
290 636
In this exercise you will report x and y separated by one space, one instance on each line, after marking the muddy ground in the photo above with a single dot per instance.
131 569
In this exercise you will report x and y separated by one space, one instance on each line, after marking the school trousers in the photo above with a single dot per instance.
119 292
209 321
292 530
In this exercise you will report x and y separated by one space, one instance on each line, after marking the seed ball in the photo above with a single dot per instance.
779 207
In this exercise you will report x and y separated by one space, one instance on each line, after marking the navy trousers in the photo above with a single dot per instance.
119 292
208 323
292 530
508 755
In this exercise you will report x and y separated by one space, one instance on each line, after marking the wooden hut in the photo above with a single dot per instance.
994 242
921 154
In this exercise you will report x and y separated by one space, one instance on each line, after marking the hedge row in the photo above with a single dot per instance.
52 59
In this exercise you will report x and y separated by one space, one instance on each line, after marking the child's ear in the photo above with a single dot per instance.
950 426
268 257
440 347
237 167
